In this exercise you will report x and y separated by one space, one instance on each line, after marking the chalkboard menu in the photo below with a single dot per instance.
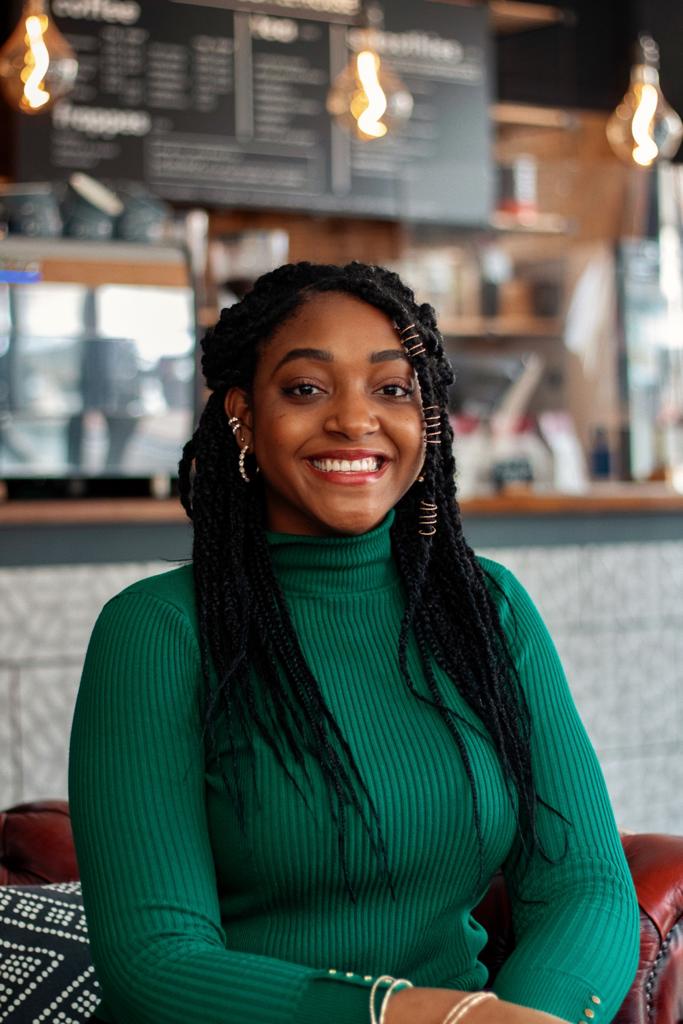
222 102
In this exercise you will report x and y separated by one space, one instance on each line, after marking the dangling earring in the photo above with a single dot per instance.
243 472
235 424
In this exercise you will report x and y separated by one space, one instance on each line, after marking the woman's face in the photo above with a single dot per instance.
334 419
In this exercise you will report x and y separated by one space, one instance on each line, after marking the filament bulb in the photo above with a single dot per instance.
644 128
370 101
366 98
37 65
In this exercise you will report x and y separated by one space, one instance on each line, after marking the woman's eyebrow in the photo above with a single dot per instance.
387 354
305 353
326 357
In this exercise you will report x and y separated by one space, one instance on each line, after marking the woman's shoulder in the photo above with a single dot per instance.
174 588
508 594
143 651
497 575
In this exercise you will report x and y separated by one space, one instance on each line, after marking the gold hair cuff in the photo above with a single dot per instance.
428 518
417 348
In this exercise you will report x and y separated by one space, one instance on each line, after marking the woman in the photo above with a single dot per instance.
297 763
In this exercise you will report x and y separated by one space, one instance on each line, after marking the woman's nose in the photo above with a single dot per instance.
352 415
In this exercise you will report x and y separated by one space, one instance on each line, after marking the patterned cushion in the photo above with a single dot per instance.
45 969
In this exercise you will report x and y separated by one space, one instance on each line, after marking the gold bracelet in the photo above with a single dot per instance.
404 983
387 995
457 1012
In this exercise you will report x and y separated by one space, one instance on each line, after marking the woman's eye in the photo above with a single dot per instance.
397 390
301 390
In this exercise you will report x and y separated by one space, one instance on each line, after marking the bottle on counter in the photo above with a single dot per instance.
600 457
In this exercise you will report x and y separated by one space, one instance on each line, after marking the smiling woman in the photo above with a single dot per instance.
328 732
334 418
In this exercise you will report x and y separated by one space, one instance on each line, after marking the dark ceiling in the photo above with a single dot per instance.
585 62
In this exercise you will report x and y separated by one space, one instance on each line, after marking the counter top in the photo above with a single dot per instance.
611 498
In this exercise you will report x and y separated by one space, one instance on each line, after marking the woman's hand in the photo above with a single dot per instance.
431 1005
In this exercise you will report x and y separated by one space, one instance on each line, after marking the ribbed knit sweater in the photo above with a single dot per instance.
191 922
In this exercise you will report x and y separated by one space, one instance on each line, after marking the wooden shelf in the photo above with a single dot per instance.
531 223
67 260
508 16
524 115
599 498
93 511
501 327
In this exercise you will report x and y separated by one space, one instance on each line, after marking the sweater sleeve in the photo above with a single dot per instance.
136 790
576 920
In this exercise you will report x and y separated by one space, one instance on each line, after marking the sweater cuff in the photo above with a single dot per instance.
344 999
568 997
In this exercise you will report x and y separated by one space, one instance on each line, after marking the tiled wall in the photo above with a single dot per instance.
615 613
46 615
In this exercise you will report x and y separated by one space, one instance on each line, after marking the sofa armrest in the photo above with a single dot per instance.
656 863
36 844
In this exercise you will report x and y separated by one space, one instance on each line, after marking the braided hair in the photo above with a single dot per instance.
246 632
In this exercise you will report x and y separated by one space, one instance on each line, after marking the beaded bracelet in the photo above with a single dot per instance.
457 1012
393 987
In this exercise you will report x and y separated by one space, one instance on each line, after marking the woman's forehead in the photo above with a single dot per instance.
336 319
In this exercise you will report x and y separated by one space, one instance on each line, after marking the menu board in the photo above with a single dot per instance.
222 103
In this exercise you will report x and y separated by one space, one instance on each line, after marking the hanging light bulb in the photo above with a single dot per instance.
37 65
644 128
367 98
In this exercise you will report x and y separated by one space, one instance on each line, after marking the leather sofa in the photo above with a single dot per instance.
36 847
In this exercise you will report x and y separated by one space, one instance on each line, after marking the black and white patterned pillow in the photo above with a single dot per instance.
45 970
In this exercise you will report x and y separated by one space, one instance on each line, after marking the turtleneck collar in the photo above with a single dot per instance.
334 566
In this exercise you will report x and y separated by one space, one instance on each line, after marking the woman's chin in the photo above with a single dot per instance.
356 521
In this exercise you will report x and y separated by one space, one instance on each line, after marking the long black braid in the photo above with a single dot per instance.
245 627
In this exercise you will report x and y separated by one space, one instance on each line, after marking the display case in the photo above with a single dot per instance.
97 359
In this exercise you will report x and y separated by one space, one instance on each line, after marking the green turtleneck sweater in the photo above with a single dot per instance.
192 923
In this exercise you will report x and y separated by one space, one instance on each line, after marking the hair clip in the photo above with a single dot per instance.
428 517
404 330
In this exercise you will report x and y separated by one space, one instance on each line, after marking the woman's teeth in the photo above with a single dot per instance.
346 466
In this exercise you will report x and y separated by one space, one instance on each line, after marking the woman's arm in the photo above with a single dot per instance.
577 934
136 780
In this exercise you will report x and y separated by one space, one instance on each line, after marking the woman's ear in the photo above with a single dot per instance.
237 404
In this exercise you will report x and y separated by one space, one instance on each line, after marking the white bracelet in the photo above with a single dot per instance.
457 1012
387 995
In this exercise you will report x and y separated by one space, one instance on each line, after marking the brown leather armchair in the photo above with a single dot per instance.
656 995
36 847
